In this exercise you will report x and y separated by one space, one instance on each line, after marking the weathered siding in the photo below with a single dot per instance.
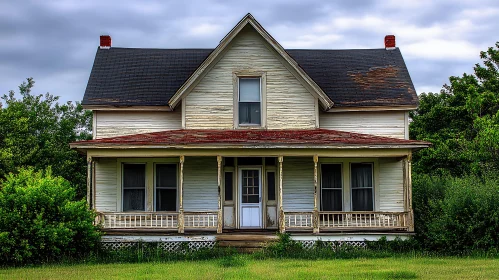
115 123
391 185
200 184
298 184
105 185
389 124
210 103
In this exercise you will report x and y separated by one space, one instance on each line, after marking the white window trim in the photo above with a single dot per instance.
263 98
176 186
373 185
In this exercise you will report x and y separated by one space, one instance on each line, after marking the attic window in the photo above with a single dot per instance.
250 101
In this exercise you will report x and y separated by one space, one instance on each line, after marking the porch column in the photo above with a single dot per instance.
89 181
219 217
409 189
181 197
282 228
315 221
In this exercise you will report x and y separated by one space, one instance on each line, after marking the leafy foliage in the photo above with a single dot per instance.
36 131
40 220
462 122
457 215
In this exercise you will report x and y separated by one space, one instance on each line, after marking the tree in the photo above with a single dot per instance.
35 130
462 122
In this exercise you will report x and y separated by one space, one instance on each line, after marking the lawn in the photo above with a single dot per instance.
382 268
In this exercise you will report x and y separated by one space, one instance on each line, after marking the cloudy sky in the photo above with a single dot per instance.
55 41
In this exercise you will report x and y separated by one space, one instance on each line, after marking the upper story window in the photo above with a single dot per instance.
250 101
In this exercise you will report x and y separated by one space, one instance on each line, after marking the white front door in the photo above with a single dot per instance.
250 189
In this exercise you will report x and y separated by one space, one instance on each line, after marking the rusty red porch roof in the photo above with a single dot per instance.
249 137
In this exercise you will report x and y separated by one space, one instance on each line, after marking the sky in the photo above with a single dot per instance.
55 41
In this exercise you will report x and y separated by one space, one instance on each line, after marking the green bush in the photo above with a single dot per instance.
457 215
40 221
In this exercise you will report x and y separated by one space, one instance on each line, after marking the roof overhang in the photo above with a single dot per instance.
372 109
287 60
126 108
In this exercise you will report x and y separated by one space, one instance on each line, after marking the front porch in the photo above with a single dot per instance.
212 194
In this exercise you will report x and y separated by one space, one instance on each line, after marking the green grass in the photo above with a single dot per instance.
245 267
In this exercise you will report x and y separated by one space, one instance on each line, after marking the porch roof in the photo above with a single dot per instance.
251 138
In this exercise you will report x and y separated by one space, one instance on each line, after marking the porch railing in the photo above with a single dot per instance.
347 220
165 220
201 220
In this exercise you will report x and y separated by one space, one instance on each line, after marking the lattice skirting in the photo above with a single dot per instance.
310 244
169 246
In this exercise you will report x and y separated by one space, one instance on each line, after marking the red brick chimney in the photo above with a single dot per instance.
389 42
105 41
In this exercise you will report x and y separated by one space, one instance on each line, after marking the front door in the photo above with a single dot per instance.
250 188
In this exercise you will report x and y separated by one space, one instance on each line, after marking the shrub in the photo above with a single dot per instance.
40 221
457 215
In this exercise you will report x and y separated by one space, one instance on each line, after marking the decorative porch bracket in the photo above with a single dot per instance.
181 197
219 216
282 228
315 220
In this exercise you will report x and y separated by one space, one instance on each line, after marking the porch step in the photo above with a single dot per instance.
245 243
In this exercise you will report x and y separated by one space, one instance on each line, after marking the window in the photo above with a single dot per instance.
134 187
249 101
331 187
166 187
229 182
362 186
270 185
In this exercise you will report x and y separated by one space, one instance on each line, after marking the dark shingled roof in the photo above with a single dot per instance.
150 77
250 138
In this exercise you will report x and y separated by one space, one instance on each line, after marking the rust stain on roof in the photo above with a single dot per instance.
378 77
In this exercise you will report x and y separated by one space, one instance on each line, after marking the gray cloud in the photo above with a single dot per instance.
55 41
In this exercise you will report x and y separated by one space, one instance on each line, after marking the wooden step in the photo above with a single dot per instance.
242 244
246 237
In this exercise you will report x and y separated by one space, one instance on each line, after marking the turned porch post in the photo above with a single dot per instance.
89 181
181 197
282 224
315 221
219 216
409 190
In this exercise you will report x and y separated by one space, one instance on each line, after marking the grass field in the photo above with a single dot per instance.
246 268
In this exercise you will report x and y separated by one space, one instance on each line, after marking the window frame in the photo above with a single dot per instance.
155 186
123 186
373 184
237 75
342 189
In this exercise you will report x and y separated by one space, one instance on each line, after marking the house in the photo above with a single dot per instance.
191 144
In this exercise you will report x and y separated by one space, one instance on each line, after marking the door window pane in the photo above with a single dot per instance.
250 186
166 187
271 185
331 188
362 186
134 187
228 185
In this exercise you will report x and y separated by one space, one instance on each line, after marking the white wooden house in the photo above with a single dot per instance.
249 136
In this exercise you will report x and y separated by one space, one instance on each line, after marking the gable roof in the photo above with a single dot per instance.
159 77
218 52
304 138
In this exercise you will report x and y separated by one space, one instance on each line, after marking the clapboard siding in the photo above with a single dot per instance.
391 185
111 124
200 184
389 124
298 184
210 104
105 185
